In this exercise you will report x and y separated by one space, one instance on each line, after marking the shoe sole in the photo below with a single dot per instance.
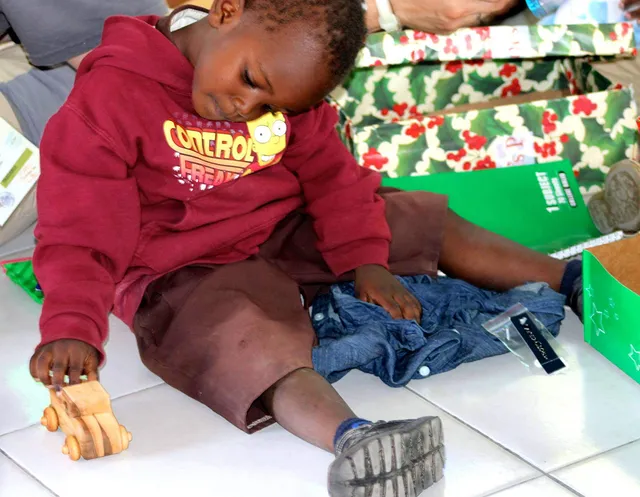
618 206
402 462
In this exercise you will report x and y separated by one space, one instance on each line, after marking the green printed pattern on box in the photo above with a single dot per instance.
385 121
499 42
611 317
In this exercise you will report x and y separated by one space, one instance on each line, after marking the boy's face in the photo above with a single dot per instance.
243 71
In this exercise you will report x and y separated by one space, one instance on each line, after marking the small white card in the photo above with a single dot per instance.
516 150
19 169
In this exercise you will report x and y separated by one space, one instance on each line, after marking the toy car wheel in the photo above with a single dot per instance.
50 419
71 448
126 437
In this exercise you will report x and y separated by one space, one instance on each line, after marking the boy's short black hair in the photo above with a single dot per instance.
337 24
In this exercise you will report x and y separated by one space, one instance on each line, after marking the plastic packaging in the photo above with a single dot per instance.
543 8
529 339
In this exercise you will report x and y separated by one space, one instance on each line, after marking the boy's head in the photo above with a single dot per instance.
255 56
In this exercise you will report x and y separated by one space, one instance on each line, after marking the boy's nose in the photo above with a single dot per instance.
248 107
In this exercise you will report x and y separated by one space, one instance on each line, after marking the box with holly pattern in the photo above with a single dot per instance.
489 97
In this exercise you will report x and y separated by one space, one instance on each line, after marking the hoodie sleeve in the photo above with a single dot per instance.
89 218
341 197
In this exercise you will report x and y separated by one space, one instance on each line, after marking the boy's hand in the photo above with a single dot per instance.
376 285
64 357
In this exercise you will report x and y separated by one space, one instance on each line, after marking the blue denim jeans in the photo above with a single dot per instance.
356 335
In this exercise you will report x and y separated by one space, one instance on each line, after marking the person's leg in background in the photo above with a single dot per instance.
13 64
28 98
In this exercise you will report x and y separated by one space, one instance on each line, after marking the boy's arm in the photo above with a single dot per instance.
88 226
349 215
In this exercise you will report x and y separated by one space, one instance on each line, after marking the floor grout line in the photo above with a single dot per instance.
26 471
113 399
548 474
476 430
590 458
564 485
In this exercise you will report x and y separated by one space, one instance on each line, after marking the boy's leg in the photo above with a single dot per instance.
305 404
490 261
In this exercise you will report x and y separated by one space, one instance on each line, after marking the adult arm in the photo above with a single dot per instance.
438 16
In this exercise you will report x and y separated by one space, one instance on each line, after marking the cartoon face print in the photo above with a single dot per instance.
269 137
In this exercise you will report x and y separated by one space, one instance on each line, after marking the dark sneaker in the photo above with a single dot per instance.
617 207
394 459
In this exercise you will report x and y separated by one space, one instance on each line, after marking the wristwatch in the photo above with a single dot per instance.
386 18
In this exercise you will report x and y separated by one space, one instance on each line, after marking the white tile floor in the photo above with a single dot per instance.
508 433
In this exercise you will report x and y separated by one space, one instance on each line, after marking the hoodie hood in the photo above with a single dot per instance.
134 44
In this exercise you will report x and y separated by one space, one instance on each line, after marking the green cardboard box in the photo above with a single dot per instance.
489 97
612 303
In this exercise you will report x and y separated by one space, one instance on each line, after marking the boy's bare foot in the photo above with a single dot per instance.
394 459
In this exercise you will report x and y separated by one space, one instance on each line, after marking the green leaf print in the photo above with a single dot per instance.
532 116
541 70
487 125
383 133
571 150
409 155
383 97
439 166
445 89
450 139
584 34
487 85
589 177
617 103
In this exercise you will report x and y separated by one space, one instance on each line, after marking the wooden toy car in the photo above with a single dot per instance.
84 414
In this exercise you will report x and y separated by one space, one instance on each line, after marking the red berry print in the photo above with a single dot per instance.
400 109
450 47
583 105
508 70
546 150
512 89
415 130
474 142
384 111
485 163
466 166
378 62
548 121
564 138
469 42
404 39
454 66
419 35
417 55
435 121
626 27
613 36
483 32
457 156
374 160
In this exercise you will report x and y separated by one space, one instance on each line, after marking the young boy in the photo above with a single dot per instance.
194 184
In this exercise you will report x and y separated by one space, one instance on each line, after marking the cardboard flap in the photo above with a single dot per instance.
499 42
620 259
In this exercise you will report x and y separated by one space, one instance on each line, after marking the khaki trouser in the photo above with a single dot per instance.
13 63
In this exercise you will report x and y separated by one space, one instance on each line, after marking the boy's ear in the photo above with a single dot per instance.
225 12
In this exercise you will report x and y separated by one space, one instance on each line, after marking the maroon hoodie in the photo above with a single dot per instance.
135 185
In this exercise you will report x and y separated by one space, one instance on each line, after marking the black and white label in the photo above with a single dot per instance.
538 344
